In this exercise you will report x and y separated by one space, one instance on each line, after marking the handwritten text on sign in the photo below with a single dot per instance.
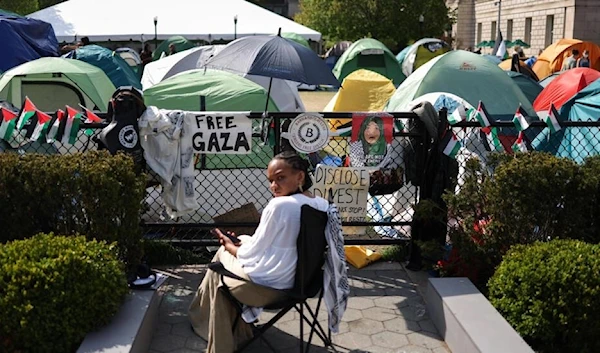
349 188
222 133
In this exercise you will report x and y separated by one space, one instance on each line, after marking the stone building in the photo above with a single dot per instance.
537 22
287 8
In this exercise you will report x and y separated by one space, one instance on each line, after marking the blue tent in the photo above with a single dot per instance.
529 86
575 143
24 39
113 65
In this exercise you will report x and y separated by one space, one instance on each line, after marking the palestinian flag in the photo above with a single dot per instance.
27 112
552 119
492 139
7 124
520 145
52 135
41 127
90 117
520 119
482 115
71 127
457 115
450 145
344 130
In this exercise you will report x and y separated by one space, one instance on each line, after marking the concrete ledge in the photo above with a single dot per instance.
467 320
131 329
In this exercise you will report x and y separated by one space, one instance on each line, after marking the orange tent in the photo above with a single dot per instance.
524 69
551 59
563 87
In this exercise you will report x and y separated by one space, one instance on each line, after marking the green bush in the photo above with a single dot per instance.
529 197
95 194
591 172
56 289
550 293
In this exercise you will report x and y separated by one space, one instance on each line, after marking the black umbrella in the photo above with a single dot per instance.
274 57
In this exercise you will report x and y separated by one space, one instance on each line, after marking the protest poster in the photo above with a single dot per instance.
349 188
221 133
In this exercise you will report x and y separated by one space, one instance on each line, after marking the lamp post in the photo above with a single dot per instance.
499 3
235 27
421 21
155 32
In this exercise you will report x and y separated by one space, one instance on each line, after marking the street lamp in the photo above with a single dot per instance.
155 33
421 21
235 27
499 4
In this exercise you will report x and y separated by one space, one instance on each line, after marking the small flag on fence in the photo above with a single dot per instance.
41 127
53 133
552 119
90 117
450 144
457 115
520 119
492 139
71 127
27 112
8 124
482 115
520 145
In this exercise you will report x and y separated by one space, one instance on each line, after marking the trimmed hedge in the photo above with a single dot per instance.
550 293
56 289
94 193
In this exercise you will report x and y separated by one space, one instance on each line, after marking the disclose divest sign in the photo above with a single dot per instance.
220 133
349 188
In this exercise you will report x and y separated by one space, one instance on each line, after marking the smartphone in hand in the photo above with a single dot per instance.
233 239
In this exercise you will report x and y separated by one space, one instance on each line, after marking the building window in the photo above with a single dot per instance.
479 30
527 30
549 30
509 26
493 34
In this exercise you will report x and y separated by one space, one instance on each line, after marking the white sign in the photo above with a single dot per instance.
308 133
349 188
221 133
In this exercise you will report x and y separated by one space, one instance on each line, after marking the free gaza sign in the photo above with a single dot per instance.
220 133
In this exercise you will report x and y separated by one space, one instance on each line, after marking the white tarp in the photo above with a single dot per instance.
119 20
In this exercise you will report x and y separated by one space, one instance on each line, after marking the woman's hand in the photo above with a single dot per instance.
228 240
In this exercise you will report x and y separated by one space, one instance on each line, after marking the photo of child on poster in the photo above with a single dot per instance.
370 145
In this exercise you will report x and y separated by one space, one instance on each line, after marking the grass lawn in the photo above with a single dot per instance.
315 101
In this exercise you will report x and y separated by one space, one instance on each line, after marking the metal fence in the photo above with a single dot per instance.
227 182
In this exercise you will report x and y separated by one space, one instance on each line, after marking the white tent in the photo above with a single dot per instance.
284 93
208 20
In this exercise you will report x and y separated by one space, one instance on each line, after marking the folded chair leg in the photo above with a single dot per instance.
301 328
261 330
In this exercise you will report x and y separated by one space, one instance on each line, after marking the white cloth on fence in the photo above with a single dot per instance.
171 157
335 279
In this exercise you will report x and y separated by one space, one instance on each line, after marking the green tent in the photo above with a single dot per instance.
181 44
296 38
421 52
469 76
529 86
223 91
372 55
117 69
51 83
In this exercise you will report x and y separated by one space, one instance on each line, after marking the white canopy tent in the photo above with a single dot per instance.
119 20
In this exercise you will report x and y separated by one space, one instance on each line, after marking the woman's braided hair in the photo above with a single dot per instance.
296 162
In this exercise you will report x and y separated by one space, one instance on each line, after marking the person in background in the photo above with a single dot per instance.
84 41
146 54
172 49
529 62
571 61
584 61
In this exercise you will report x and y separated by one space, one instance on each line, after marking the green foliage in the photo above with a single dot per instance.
25 7
550 293
159 253
95 194
531 197
394 253
56 289
393 22
591 172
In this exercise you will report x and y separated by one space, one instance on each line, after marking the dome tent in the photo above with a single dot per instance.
117 69
52 83
530 88
370 54
564 87
180 43
421 52
466 75
551 59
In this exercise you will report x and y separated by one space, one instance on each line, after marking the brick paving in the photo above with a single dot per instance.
386 314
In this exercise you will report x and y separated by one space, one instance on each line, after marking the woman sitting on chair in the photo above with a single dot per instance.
267 258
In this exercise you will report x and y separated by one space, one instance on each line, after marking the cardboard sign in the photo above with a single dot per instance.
349 188
221 133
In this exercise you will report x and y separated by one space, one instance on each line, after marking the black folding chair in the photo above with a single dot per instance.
308 282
